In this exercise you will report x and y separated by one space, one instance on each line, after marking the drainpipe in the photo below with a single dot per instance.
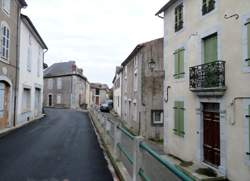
17 65
233 105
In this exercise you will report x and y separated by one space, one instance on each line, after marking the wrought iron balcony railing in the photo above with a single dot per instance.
207 76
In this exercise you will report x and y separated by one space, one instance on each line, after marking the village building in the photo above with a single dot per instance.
207 73
30 82
65 86
9 55
142 89
117 91
99 93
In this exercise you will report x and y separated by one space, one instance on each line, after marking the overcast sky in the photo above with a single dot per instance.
97 34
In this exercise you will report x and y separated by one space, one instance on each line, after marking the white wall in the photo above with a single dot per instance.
29 79
117 95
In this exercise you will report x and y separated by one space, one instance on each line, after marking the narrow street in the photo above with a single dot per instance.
60 147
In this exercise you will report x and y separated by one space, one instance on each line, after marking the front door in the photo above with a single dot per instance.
97 102
211 137
4 104
50 100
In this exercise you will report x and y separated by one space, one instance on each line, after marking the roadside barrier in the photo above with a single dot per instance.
140 160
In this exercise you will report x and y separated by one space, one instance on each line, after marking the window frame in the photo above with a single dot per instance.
207 9
153 121
7 42
179 17
6 11
59 83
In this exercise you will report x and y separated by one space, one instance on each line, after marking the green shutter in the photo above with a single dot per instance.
181 118
176 117
249 126
181 63
176 64
210 49
248 41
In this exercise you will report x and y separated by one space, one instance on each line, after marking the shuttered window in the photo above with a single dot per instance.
179 118
179 64
248 116
210 48
5 41
179 17
248 42
2 90
207 6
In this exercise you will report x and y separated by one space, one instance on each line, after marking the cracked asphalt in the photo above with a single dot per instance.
60 147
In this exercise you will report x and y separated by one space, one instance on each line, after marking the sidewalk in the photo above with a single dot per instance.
8 130
196 171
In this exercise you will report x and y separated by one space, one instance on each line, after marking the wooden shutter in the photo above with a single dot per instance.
176 117
181 118
181 63
210 49
248 41
176 64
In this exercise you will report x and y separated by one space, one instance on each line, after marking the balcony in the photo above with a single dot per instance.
208 79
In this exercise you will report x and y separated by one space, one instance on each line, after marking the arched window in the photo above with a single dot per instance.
5 41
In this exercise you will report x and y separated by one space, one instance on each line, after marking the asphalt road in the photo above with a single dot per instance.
60 147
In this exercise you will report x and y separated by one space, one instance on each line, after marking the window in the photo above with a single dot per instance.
179 118
179 17
29 60
5 41
2 91
50 83
210 48
135 81
59 83
207 6
59 99
118 101
39 62
248 42
135 111
157 117
6 6
97 92
179 64
26 100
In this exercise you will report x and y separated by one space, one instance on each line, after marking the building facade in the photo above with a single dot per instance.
117 91
142 89
30 84
206 60
65 86
9 19
99 93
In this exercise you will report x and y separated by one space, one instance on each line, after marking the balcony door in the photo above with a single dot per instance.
210 48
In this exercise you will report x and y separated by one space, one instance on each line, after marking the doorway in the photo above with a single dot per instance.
211 137
50 100
37 101
4 104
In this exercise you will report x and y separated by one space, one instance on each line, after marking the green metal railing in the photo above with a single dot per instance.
130 159
143 176
168 165
132 137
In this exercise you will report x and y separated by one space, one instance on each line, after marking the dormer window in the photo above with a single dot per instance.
6 6
179 17
207 6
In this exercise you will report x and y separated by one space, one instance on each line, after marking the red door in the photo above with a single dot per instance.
211 142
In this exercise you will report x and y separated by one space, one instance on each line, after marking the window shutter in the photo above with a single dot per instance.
210 49
248 41
176 117
181 118
181 63
249 127
176 64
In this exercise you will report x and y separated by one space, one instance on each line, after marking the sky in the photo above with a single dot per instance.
97 34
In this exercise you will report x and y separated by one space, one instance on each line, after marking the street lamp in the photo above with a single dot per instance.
151 64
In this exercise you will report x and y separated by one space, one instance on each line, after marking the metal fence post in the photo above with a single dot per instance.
117 139
136 157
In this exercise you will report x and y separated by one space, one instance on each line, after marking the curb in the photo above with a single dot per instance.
7 131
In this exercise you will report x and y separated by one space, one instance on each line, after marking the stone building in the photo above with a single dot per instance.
9 55
65 86
142 89
99 93
206 60
30 82
117 90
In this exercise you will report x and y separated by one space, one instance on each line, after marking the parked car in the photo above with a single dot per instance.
104 107
110 103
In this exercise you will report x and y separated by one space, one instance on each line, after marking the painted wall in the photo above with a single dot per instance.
230 49
32 78
117 93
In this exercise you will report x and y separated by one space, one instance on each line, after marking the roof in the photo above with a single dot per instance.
62 69
23 3
166 6
118 70
136 50
26 20
99 86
